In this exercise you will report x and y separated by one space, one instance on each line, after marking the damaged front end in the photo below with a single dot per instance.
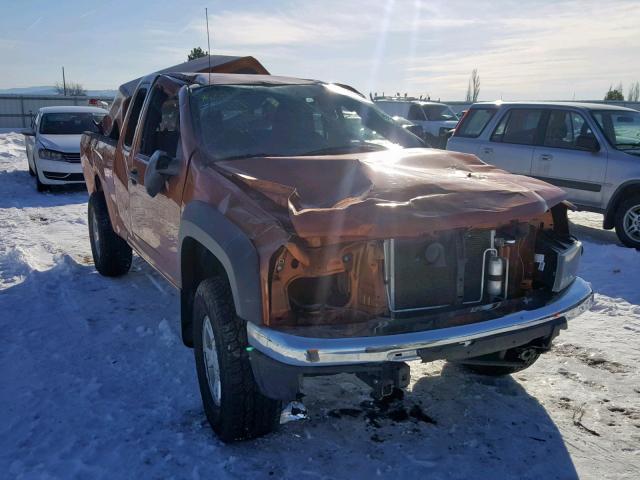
422 256
439 280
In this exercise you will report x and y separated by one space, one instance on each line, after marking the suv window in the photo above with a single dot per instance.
474 122
134 116
564 128
415 113
518 126
161 129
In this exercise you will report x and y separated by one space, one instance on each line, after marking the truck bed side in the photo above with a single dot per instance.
98 154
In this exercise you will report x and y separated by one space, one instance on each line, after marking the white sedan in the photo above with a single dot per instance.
53 143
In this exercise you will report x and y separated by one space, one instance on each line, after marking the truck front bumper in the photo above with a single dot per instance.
298 351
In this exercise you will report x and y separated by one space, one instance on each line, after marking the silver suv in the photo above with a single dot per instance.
590 150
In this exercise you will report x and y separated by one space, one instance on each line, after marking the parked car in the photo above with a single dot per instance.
309 234
590 150
53 143
436 119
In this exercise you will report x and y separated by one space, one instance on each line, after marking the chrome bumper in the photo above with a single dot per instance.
315 352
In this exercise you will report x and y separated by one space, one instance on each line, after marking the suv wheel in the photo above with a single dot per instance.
231 398
627 222
519 359
111 254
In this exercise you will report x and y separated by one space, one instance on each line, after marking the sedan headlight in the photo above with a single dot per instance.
47 154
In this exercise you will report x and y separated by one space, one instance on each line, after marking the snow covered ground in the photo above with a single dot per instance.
95 382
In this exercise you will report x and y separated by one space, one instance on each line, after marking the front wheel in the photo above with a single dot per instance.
627 222
40 187
232 401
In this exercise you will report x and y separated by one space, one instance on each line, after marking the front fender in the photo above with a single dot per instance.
232 248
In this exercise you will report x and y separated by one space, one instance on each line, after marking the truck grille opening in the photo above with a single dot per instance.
437 272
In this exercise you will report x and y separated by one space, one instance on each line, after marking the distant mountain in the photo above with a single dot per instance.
50 90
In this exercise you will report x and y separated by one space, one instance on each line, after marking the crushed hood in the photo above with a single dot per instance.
396 193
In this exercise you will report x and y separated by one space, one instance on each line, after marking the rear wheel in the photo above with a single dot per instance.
502 363
627 222
231 398
111 254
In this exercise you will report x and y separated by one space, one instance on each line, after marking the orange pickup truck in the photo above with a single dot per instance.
310 234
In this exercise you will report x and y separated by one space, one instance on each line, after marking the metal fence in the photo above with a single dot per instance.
16 110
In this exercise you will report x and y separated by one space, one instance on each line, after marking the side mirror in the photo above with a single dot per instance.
587 142
28 132
99 127
160 168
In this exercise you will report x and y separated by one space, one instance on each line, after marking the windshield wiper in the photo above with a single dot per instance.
367 147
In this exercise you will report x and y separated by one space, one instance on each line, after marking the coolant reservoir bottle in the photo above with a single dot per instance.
495 274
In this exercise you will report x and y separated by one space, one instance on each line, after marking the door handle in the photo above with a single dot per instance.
546 156
487 150
133 175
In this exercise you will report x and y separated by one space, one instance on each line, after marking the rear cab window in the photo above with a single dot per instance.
474 122
136 108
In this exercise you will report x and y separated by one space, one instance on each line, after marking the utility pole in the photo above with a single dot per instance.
64 83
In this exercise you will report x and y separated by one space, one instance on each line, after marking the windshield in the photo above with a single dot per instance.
621 127
69 123
439 113
234 121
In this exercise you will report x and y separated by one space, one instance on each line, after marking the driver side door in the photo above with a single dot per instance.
155 221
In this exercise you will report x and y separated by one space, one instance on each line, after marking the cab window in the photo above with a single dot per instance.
161 129
136 108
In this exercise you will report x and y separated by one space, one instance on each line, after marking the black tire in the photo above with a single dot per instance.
240 412
631 203
523 356
111 254
40 187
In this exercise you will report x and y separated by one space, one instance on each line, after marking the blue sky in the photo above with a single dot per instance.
522 49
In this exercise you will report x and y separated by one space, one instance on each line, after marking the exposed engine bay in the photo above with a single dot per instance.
451 277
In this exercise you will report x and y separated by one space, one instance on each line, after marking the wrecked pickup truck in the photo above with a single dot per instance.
310 234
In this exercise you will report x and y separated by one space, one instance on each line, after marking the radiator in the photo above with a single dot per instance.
437 272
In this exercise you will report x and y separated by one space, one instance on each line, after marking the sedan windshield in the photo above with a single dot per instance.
621 127
439 113
69 123
236 121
